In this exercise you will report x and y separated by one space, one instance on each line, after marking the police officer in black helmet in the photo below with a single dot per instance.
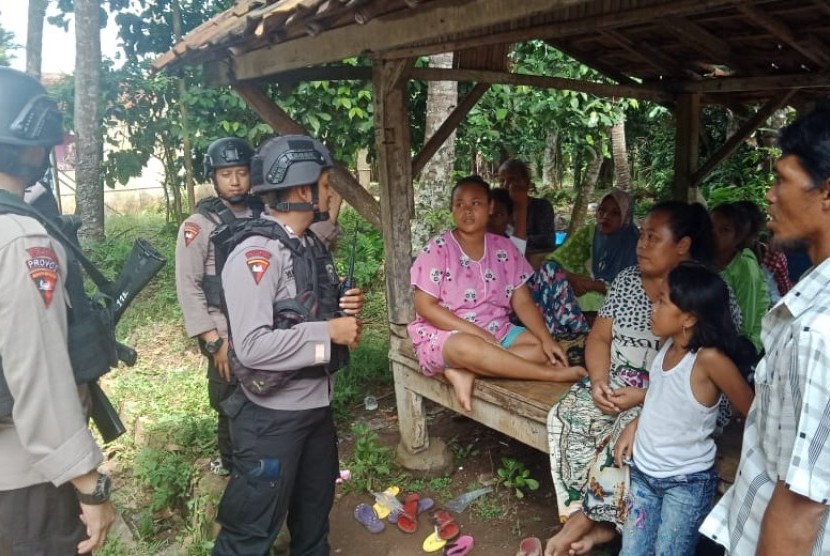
52 499
284 438
227 165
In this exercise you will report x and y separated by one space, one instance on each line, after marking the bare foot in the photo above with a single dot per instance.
574 529
568 374
463 382
601 533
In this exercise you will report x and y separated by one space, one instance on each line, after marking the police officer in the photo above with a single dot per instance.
52 499
226 162
285 445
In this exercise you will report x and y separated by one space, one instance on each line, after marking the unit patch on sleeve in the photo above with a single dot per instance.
191 230
258 261
43 270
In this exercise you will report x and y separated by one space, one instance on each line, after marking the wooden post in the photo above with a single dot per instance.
397 210
687 135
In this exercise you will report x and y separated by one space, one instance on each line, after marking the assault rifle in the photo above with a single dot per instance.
93 349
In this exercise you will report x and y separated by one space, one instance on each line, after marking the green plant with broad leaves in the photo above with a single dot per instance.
371 462
515 476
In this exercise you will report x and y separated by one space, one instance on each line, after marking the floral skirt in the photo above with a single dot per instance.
555 297
581 440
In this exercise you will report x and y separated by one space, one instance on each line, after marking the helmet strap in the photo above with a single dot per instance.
313 206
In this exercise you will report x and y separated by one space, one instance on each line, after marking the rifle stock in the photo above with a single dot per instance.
142 265
104 415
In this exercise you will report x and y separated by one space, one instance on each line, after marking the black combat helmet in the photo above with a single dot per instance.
290 161
226 152
29 117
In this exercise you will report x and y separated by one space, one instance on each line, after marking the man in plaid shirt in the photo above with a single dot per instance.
778 504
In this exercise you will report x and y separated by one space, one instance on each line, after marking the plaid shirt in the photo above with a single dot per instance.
786 435
776 263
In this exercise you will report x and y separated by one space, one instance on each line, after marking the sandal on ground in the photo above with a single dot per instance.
424 504
432 543
408 517
530 546
460 546
445 525
367 517
383 510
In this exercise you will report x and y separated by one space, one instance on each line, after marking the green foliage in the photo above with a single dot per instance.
7 45
371 463
461 450
166 474
368 254
368 371
514 475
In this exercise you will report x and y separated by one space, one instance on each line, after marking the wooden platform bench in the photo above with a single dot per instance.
516 408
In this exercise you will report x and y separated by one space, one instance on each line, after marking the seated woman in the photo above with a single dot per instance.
740 269
594 255
585 424
538 221
466 283
549 286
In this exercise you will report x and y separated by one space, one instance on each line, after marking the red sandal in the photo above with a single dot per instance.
447 528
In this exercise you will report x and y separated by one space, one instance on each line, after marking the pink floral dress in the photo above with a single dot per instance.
477 291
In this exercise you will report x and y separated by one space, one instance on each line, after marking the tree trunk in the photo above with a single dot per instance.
586 189
621 168
89 194
551 162
34 37
183 113
432 192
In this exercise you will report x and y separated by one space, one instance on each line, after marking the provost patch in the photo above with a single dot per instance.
191 230
43 270
258 261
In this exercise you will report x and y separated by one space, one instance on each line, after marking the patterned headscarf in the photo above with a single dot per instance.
612 253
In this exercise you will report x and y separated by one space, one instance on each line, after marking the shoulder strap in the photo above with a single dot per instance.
211 207
11 204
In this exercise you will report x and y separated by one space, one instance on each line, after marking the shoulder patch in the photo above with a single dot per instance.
258 261
43 270
191 230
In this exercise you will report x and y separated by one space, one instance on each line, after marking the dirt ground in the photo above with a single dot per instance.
494 535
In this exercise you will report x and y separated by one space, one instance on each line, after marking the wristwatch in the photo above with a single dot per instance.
103 488
213 346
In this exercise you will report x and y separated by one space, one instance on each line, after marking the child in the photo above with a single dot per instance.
466 282
673 478
740 269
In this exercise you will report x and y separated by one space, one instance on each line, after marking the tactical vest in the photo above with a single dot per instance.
90 322
217 212
317 299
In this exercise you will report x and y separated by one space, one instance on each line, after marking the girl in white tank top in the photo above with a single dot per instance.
669 447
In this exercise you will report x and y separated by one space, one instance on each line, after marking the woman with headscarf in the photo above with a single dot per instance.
594 255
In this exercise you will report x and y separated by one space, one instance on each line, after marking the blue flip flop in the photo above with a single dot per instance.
366 516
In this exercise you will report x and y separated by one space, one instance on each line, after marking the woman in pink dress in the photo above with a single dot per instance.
466 283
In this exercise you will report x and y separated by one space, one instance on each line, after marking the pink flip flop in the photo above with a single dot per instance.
530 546
460 546
367 517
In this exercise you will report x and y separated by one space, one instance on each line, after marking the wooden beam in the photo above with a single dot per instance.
544 82
341 179
612 18
392 140
823 5
585 59
450 124
432 21
687 135
659 61
323 73
785 34
744 84
740 136
717 49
